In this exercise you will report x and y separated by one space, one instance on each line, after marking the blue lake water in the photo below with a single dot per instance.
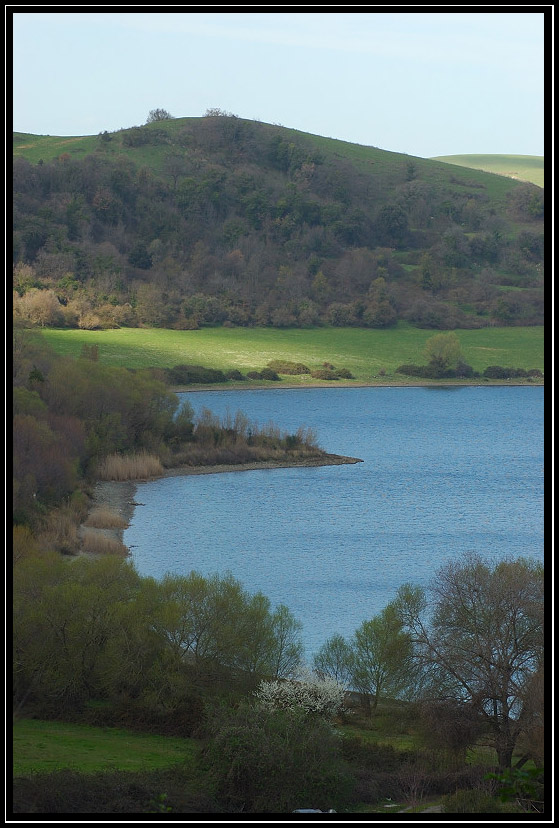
445 471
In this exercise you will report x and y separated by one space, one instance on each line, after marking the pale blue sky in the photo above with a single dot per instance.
421 83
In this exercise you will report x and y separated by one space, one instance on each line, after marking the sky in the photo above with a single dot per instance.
423 83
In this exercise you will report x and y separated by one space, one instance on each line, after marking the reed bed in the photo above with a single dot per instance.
104 517
96 543
129 467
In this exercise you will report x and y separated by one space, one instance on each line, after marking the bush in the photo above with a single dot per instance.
411 370
188 374
324 374
475 801
269 374
371 756
274 762
234 374
284 366
309 693
344 373
254 375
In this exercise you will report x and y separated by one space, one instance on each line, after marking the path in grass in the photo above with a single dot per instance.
365 352
44 746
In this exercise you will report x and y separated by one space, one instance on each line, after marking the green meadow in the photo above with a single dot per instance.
44 746
521 167
365 352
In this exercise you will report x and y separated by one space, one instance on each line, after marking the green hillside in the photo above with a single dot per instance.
521 167
188 222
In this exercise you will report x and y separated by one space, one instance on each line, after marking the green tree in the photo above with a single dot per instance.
482 641
382 656
443 351
376 660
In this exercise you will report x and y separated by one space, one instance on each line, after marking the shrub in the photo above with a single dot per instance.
344 373
324 374
411 370
274 761
496 372
284 366
269 374
464 370
188 374
254 375
369 755
311 694
476 801
234 374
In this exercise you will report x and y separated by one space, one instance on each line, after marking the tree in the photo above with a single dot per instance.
158 115
443 351
309 692
482 643
335 659
382 655
376 660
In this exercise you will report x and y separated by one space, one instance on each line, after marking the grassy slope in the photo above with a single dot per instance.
363 351
522 167
43 746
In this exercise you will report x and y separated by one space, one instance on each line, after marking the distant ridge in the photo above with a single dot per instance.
521 167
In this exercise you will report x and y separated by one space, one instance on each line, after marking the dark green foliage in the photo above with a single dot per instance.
113 792
275 762
498 372
269 374
374 757
188 374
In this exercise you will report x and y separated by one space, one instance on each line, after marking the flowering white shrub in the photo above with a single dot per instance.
308 692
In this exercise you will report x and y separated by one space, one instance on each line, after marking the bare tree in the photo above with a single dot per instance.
482 641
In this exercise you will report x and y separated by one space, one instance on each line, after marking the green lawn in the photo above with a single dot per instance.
44 746
365 352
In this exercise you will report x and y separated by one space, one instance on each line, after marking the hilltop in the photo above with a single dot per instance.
522 167
186 222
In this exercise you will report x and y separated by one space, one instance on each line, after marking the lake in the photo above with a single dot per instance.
445 470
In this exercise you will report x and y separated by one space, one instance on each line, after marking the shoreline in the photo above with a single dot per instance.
120 495
243 386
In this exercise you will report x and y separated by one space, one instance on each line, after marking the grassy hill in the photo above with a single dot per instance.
521 167
218 220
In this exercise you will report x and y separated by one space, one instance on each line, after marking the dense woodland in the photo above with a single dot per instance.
222 221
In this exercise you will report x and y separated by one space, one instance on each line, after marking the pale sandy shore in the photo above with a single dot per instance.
120 496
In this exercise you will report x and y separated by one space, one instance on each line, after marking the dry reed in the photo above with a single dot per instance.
129 467
105 518
96 543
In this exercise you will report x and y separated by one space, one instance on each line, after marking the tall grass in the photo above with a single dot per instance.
95 542
121 467
104 517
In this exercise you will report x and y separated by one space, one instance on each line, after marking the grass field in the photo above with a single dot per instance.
43 746
521 167
365 352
